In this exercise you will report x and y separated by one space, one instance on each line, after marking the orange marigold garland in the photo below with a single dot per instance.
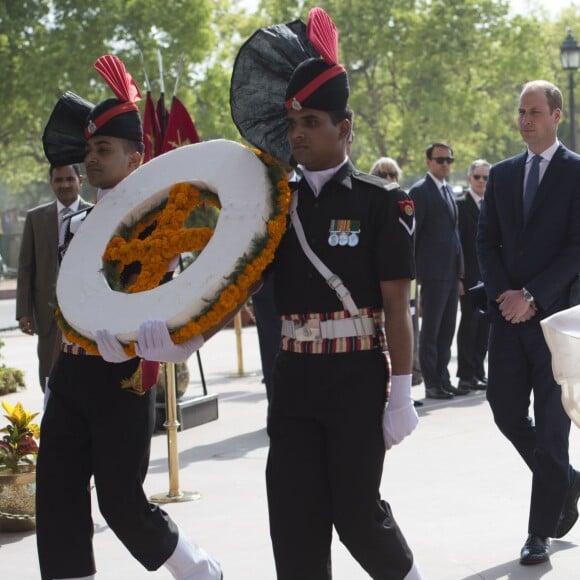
169 239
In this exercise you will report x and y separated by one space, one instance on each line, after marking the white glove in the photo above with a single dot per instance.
154 343
109 347
400 417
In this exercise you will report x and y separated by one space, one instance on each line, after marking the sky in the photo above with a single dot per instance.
523 6
518 6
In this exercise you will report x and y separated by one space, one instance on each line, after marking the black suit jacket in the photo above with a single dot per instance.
438 251
542 254
468 218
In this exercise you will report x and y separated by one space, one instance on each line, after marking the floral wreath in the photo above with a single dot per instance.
168 238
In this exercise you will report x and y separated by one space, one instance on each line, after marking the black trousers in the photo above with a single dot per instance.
45 350
439 300
472 339
269 327
92 426
325 465
519 364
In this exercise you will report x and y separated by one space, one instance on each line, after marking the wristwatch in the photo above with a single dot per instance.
527 296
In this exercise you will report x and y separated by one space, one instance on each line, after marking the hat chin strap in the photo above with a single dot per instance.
97 123
296 101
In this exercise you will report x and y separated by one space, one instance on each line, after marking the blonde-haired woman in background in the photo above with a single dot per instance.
387 168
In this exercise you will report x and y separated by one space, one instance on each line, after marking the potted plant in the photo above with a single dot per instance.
18 451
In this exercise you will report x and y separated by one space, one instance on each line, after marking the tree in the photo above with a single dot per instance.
424 70
50 47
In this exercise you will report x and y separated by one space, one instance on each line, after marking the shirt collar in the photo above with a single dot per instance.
475 197
547 154
318 179
102 192
74 206
438 183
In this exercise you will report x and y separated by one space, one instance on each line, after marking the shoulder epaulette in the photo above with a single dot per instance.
374 180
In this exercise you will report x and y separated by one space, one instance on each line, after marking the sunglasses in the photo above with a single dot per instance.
385 174
478 177
442 160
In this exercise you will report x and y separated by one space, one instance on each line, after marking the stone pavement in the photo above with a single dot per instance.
457 488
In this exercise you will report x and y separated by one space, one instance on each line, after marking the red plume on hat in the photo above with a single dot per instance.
124 87
117 77
323 35
314 74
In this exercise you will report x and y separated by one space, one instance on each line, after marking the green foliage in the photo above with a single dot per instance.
18 447
420 70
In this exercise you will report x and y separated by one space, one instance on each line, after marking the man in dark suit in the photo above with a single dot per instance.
439 260
529 252
38 263
473 331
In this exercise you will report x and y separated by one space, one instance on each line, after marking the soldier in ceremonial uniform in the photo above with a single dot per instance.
92 426
345 263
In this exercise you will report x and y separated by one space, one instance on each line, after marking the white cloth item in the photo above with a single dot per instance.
191 562
109 347
562 334
154 343
414 573
400 417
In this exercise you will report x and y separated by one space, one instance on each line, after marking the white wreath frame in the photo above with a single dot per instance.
226 168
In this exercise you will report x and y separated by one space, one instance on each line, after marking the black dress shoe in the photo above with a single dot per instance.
473 384
478 385
481 379
569 513
460 391
535 551
437 393
466 384
417 403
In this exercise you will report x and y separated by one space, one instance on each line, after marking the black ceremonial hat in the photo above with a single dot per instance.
319 83
64 138
75 120
274 61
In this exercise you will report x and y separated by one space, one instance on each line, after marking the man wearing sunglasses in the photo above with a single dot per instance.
528 244
473 331
439 262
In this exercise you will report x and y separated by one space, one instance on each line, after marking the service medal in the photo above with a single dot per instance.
333 239
343 239
353 240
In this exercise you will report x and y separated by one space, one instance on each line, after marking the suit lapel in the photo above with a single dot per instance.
472 207
549 180
442 203
518 188
50 226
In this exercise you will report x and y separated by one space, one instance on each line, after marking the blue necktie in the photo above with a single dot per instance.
532 185
448 199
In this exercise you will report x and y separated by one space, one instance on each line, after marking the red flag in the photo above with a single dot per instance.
162 116
180 128
152 139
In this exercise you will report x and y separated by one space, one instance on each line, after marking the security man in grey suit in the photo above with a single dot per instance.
38 263
439 260
529 252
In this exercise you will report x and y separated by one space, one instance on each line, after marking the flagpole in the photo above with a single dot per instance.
160 67
179 71
147 83
172 425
